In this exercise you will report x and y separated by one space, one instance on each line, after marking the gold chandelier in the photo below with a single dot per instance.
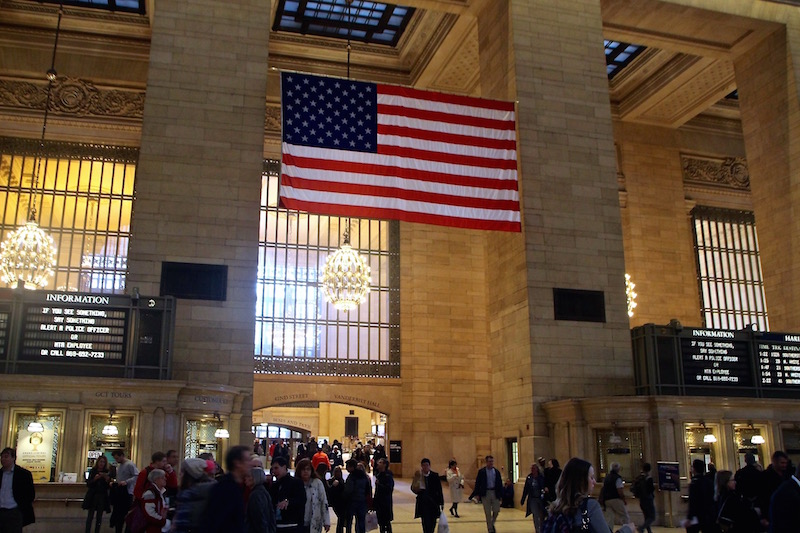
345 276
28 254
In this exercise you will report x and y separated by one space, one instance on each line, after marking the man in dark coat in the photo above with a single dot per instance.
16 494
489 491
225 511
382 502
784 515
771 479
701 516
430 499
288 496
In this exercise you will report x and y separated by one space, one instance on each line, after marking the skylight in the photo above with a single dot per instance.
369 22
619 55
129 6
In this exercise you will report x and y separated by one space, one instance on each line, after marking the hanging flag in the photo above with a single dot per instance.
358 149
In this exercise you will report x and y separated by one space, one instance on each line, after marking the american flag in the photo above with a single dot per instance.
358 149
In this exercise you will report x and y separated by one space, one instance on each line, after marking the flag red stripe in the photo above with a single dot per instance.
452 138
454 159
407 173
470 101
449 118
395 192
381 213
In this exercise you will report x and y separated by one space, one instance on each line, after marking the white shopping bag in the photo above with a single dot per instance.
444 527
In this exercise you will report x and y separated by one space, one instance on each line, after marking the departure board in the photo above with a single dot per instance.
716 357
779 359
72 332
674 359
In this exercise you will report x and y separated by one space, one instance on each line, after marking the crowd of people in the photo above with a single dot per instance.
205 498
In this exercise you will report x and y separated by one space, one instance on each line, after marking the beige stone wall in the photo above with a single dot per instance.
770 120
199 174
446 404
572 226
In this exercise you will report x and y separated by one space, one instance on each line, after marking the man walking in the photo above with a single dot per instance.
701 515
489 491
126 480
785 506
430 499
225 511
16 494
612 497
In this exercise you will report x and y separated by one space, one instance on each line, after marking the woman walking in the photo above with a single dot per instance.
96 499
316 514
456 482
573 509
533 492
382 502
338 500
735 514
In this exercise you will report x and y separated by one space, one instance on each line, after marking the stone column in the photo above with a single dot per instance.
768 99
552 63
199 177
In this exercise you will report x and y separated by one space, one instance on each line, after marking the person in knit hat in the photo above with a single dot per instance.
196 483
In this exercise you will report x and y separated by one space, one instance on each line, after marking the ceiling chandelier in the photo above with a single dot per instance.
28 254
709 437
630 295
345 276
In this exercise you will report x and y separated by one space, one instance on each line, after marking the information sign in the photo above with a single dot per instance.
779 360
669 476
716 357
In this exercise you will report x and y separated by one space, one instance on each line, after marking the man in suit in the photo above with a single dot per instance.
430 499
16 494
784 508
701 514
489 491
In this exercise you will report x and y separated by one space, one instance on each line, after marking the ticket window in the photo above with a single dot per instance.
701 443
619 445
106 434
749 439
200 438
791 443
37 438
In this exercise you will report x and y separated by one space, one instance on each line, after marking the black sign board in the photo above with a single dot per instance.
779 360
669 476
673 359
395 451
716 357
71 333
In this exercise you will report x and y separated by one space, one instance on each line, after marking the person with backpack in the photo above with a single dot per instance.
644 490
573 510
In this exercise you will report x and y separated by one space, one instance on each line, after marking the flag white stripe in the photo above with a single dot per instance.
400 183
446 148
401 162
443 127
442 107
410 206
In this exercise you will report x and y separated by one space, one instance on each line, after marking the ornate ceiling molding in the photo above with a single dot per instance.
728 172
72 96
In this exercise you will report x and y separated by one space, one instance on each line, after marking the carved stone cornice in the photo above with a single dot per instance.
72 96
728 172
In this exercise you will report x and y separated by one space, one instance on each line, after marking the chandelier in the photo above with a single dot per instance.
630 295
345 276
28 254
36 425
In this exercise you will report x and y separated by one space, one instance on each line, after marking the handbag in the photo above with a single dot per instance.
371 522
443 527
136 519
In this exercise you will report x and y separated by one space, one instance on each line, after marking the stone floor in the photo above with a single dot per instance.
472 518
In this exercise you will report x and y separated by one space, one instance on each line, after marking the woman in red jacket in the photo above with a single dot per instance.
152 502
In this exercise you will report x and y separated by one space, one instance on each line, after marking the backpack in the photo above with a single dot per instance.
562 523
639 486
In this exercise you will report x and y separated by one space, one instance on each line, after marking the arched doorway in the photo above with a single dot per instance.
347 426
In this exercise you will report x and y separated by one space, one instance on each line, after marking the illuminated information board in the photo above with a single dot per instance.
674 359
71 333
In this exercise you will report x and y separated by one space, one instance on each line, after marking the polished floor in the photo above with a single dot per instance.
472 518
